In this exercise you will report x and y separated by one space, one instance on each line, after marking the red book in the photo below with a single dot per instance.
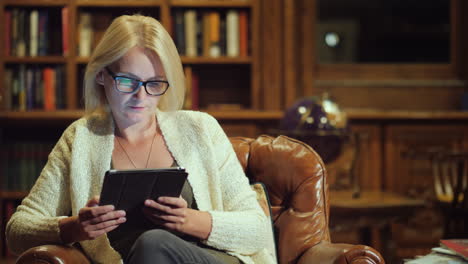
459 246
7 33
243 34
49 89
65 30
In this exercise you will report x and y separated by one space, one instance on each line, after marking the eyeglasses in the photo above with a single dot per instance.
130 85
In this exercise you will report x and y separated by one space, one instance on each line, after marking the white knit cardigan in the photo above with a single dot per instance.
76 166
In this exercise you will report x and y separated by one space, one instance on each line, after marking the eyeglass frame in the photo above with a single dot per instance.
140 83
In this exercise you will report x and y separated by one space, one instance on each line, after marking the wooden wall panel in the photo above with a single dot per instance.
382 97
272 54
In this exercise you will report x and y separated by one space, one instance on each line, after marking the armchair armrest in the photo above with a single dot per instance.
53 254
330 253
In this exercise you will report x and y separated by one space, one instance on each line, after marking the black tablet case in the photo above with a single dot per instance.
128 189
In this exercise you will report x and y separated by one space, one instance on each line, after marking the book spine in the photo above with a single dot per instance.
222 35
206 34
86 34
7 89
33 30
65 31
243 34
39 89
188 87
7 32
21 44
14 31
232 32
29 89
215 50
190 17
49 89
22 88
180 31
43 38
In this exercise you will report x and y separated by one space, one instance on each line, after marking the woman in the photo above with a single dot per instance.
134 88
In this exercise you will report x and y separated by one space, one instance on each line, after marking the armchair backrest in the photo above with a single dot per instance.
295 179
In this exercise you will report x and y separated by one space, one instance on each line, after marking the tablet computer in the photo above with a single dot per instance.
128 189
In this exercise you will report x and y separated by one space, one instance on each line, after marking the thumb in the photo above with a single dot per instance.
93 202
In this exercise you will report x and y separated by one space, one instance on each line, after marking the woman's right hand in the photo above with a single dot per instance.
91 222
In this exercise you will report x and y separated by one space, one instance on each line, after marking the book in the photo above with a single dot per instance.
65 30
206 34
7 89
43 33
49 89
7 32
458 246
14 31
179 29
188 87
85 29
21 40
232 33
190 19
215 49
243 34
22 88
33 32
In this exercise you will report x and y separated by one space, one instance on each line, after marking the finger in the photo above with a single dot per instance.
159 207
154 205
93 202
172 219
97 233
173 201
104 225
108 216
87 213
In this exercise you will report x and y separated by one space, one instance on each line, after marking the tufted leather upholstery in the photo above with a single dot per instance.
295 178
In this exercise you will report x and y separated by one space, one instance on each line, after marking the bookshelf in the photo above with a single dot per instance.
228 86
233 73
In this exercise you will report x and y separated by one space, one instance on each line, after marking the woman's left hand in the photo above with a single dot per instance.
173 213
170 212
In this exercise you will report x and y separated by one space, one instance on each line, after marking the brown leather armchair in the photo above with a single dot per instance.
295 178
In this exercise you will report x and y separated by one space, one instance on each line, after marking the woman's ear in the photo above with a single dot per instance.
100 78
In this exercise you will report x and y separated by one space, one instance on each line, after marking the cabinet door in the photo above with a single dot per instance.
369 160
413 176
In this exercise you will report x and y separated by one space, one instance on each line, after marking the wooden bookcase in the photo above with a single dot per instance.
222 80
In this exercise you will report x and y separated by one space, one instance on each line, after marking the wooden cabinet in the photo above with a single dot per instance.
412 175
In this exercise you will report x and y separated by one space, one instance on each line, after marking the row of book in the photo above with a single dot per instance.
34 88
211 33
35 32
21 163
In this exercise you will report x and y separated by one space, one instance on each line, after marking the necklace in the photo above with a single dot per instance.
128 156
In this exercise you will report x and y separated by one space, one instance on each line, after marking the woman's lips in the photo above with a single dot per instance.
137 107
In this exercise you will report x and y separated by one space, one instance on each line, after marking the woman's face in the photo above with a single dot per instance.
141 64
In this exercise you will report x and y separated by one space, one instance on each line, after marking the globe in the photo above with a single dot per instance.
319 122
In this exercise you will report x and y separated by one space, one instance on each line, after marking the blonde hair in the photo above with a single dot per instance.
124 33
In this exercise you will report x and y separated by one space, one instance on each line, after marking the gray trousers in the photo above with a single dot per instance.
159 246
